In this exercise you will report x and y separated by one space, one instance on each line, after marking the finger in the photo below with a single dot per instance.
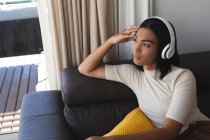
131 27
131 38
129 31
127 38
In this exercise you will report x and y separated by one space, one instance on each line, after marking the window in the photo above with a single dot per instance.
6 3
18 9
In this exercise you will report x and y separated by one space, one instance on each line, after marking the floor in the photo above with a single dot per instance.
15 82
37 59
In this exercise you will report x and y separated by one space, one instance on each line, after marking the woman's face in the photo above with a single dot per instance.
145 49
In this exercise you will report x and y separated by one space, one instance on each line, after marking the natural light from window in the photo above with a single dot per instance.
16 4
12 2
18 9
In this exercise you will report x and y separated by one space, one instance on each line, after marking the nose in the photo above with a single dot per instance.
137 48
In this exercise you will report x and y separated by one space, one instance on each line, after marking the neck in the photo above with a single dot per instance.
149 67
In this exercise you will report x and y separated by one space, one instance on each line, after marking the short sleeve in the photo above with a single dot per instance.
123 73
184 97
110 73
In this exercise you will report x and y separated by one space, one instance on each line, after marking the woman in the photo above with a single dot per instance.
165 92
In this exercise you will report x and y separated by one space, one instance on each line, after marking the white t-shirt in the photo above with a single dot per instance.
173 97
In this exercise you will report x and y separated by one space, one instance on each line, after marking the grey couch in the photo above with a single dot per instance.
88 106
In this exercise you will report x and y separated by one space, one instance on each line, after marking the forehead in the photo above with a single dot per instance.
146 34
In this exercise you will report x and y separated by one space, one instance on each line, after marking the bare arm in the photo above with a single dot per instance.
169 131
92 66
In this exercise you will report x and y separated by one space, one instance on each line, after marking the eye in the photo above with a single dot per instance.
147 44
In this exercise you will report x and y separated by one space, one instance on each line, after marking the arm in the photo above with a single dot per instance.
169 131
92 66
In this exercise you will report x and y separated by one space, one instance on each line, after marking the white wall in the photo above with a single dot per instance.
191 19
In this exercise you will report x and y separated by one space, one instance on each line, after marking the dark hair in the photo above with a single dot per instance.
162 33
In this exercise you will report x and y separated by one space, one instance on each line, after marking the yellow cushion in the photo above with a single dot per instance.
134 122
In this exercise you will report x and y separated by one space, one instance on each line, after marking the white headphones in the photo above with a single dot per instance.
169 49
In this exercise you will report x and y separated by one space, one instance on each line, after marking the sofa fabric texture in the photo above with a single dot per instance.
87 106
42 117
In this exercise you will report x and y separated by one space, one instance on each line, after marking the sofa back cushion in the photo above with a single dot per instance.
80 89
199 64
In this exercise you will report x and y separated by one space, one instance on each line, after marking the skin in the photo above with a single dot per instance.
144 51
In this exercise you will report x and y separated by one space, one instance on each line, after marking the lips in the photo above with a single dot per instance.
137 57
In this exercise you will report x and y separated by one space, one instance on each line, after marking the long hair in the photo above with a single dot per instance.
162 33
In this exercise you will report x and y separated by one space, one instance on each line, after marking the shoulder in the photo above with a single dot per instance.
122 67
182 76
181 72
123 72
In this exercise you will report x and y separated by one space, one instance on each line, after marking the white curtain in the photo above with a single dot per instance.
131 12
71 29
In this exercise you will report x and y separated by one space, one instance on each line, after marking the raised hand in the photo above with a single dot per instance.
124 36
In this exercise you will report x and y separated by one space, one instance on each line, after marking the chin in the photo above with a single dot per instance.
138 63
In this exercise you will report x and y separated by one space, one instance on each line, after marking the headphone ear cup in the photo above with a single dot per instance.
164 51
170 52
167 52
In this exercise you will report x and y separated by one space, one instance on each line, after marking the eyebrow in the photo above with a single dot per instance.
144 40
148 41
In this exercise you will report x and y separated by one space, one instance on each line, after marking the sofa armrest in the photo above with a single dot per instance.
42 117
